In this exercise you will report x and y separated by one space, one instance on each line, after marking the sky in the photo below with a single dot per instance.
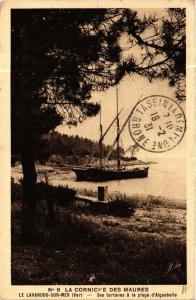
130 90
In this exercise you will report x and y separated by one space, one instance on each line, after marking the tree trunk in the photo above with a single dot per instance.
29 185
27 143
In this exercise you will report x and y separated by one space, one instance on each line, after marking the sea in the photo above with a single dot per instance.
166 178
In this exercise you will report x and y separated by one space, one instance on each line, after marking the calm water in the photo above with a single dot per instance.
166 178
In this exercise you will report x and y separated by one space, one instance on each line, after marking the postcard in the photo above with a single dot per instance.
97 149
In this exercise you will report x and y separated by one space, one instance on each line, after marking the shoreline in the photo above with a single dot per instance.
56 176
158 183
153 238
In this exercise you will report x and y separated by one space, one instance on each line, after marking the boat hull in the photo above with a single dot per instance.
98 174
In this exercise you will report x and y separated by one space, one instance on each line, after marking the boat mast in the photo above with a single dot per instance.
101 140
117 132
115 141
103 135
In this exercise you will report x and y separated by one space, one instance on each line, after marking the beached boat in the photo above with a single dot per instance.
104 172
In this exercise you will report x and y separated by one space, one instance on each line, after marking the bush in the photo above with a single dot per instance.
121 208
133 158
61 195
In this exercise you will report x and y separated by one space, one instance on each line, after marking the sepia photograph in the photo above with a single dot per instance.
100 151
98 146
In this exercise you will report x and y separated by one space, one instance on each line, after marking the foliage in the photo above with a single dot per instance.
132 150
64 145
53 75
157 47
88 55
121 207
60 195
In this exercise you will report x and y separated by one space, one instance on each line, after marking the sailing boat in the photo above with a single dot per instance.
104 172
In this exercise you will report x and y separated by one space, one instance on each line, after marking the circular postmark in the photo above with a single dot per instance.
157 123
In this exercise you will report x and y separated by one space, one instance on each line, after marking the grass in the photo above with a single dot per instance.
87 192
147 248
140 200
61 194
